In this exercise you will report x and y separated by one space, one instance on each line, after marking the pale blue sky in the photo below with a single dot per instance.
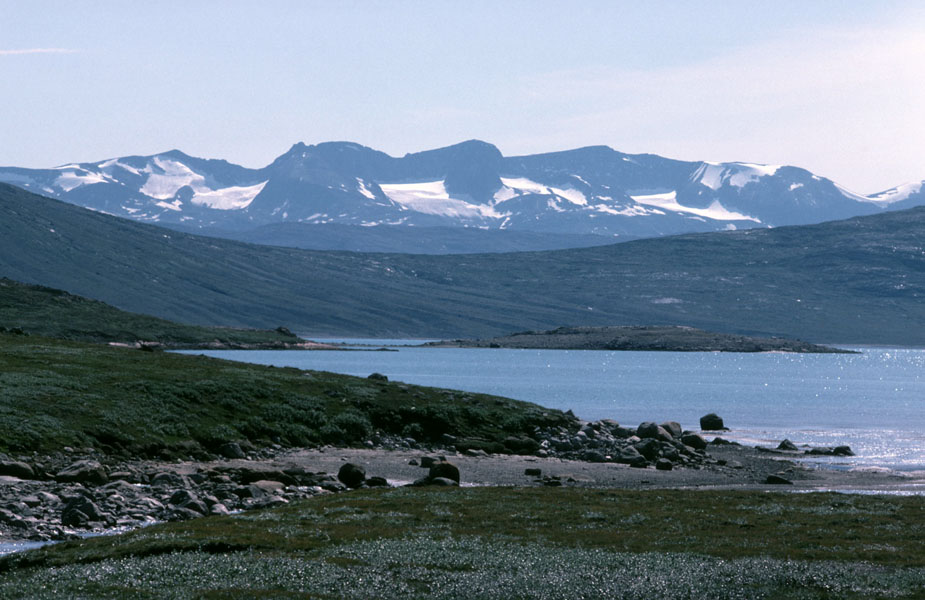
833 86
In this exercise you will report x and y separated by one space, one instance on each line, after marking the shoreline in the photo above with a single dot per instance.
139 493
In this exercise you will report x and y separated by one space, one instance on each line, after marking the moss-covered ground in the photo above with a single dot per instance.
133 403
506 543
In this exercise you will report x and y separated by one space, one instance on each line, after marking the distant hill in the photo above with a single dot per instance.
592 191
638 338
860 280
35 309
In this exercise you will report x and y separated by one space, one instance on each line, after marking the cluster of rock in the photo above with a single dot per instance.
662 445
84 495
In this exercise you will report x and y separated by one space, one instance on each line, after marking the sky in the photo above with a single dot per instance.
835 87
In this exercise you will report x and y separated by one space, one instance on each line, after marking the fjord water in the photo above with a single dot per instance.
873 401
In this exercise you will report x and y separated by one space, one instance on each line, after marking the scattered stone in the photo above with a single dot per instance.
711 422
351 475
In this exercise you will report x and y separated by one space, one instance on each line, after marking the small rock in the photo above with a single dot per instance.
413 462
533 472
377 482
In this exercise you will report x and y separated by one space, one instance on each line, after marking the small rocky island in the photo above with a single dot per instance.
639 338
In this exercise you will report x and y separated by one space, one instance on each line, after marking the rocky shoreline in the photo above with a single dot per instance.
75 492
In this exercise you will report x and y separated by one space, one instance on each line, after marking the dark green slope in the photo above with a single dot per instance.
856 281
45 311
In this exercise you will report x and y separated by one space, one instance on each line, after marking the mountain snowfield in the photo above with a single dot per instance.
593 190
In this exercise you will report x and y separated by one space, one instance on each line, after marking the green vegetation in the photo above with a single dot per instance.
57 393
35 309
506 542
856 281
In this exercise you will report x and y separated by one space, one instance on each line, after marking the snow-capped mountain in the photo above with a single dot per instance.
593 190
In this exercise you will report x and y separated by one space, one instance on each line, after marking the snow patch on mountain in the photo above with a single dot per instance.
78 177
173 176
107 167
715 175
514 187
669 201
431 197
361 187
897 194
229 198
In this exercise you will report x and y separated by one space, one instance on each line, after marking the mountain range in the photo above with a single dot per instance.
860 280
471 191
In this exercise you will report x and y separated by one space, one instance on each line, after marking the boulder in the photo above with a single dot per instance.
169 479
533 472
444 469
377 482
15 468
787 445
672 427
269 486
778 480
443 481
83 471
351 475
663 464
711 422
648 448
593 456
842 451
79 510
648 429
377 377
694 440
231 450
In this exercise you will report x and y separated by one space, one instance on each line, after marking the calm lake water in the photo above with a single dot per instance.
873 402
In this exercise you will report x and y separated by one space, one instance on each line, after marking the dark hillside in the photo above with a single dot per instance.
860 280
